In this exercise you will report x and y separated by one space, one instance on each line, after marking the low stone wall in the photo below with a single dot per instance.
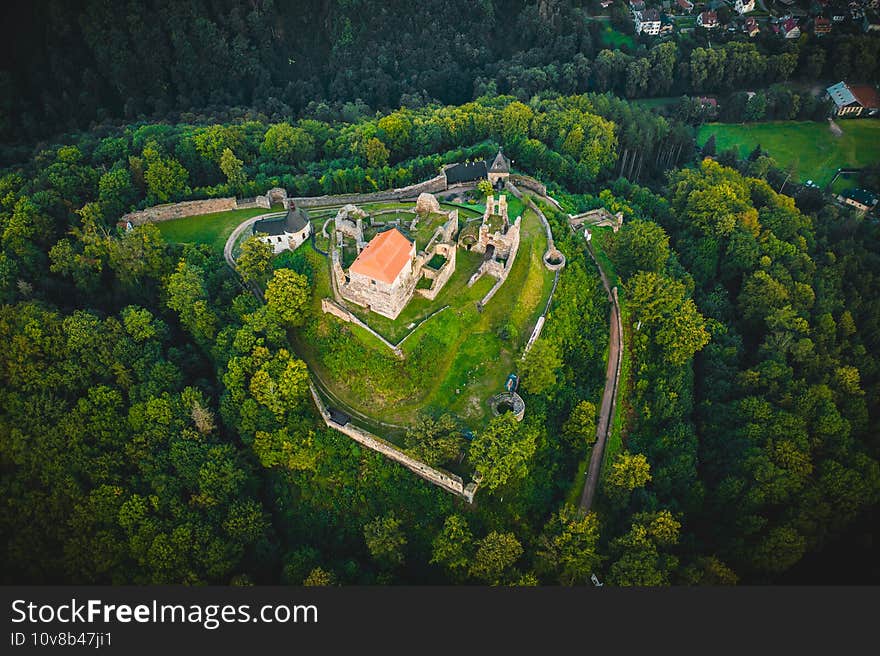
441 277
527 182
433 185
443 479
248 203
171 211
330 306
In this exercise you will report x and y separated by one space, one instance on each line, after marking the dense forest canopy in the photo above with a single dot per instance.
70 64
155 419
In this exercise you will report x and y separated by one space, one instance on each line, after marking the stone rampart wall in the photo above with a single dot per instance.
527 182
433 185
443 479
179 210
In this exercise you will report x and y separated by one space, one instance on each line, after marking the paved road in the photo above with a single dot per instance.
609 396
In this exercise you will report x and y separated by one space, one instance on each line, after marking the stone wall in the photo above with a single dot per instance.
330 306
527 182
443 479
443 275
433 185
171 211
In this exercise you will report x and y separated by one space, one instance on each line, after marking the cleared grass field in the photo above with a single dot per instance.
611 38
212 229
811 148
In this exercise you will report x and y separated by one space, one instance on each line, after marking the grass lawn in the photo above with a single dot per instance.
845 181
611 38
810 147
212 229
454 362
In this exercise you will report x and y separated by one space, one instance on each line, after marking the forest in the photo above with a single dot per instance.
76 64
155 421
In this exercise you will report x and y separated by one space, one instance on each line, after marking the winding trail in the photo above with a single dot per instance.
609 396
612 373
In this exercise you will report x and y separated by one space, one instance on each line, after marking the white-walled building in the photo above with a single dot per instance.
744 6
647 21
284 232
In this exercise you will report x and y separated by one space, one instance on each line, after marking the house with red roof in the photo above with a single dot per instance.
791 29
708 20
854 99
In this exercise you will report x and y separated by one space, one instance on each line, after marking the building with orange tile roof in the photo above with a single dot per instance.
388 255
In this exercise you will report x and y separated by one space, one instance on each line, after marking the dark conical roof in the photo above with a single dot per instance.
500 164
295 220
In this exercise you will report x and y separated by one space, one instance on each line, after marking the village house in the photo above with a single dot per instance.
854 100
286 232
790 29
686 6
708 20
647 21
744 6
861 199
821 26
751 27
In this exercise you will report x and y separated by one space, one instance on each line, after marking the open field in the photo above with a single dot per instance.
211 229
455 361
811 148
611 38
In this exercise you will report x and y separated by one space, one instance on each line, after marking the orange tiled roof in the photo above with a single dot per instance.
384 257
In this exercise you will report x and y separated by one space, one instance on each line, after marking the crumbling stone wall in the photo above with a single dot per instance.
330 306
439 477
171 211
528 182
434 185
440 277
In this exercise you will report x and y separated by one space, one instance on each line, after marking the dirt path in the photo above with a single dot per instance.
609 396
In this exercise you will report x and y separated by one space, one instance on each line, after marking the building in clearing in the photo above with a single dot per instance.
286 232
854 100
383 277
465 172
861 199
708 20
647 21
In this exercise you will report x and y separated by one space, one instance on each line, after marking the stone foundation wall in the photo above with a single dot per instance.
332 307
433 185
443 479
387 300
171 211
443 275
527 182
